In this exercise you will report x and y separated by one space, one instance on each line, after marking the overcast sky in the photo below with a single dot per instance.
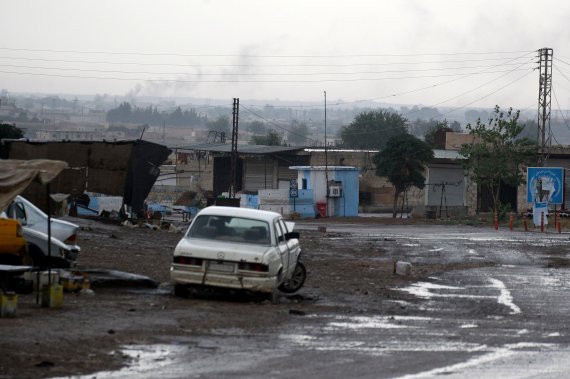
436 53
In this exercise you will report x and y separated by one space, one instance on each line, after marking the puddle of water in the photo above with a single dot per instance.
505 296
146 360
486 361
374 322
426 290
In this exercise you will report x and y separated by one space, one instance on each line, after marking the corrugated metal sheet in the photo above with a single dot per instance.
125 168
285 173
258 174
242 149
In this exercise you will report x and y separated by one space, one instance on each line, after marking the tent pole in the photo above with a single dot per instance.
48 208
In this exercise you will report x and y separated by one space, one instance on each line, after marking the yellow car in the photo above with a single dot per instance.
13 246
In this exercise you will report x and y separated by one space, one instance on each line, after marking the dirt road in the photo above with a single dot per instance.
350 275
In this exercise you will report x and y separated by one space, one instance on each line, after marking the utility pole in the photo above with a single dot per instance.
544 104
234 156
326 159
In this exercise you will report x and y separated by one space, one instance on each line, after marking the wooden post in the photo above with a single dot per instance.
496 220
511 221
541 222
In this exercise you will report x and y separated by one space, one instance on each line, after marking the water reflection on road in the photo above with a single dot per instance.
507 319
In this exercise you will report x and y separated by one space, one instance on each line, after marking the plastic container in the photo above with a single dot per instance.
8 304
322 209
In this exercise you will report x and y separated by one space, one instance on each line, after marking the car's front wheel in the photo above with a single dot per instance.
296 281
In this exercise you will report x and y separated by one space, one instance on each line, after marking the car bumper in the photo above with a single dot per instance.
265 284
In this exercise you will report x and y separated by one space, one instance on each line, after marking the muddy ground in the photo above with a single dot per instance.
345 276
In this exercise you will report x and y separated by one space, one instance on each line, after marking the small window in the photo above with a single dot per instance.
304 183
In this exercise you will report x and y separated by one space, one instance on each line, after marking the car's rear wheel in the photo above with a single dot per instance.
296 281
180 290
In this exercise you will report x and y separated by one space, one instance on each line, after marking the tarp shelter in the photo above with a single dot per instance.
16 176
124 168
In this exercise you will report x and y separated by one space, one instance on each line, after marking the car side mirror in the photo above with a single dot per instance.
292 235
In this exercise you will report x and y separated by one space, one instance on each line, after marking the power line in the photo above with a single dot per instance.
560 60
246 73
397 94
257 56
245 81
466 92
279 126
483 97
560 110
252 65
561 73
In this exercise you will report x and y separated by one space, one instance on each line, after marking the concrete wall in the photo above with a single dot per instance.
453 140
278 200
315 177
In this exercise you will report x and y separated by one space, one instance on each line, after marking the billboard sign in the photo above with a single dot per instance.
545 184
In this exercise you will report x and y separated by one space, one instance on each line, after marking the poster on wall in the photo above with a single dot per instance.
545 184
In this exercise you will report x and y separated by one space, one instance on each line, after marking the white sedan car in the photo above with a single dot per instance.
64 250
239 248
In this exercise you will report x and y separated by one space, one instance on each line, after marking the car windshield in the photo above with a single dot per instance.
227 228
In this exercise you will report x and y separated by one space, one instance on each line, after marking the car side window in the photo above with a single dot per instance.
16 210
279 232
20 212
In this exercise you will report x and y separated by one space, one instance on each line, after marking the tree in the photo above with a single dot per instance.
298 133
256 127
424 113
272 138
498 155
372 129
473 115
221 124
420 128
10 131
444 125
402 161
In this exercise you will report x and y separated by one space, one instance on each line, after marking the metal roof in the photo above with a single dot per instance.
242 149
447 154
323 168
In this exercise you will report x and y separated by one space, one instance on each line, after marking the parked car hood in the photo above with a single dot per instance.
218 250
37 219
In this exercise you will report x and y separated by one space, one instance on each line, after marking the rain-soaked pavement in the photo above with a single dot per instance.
507 316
